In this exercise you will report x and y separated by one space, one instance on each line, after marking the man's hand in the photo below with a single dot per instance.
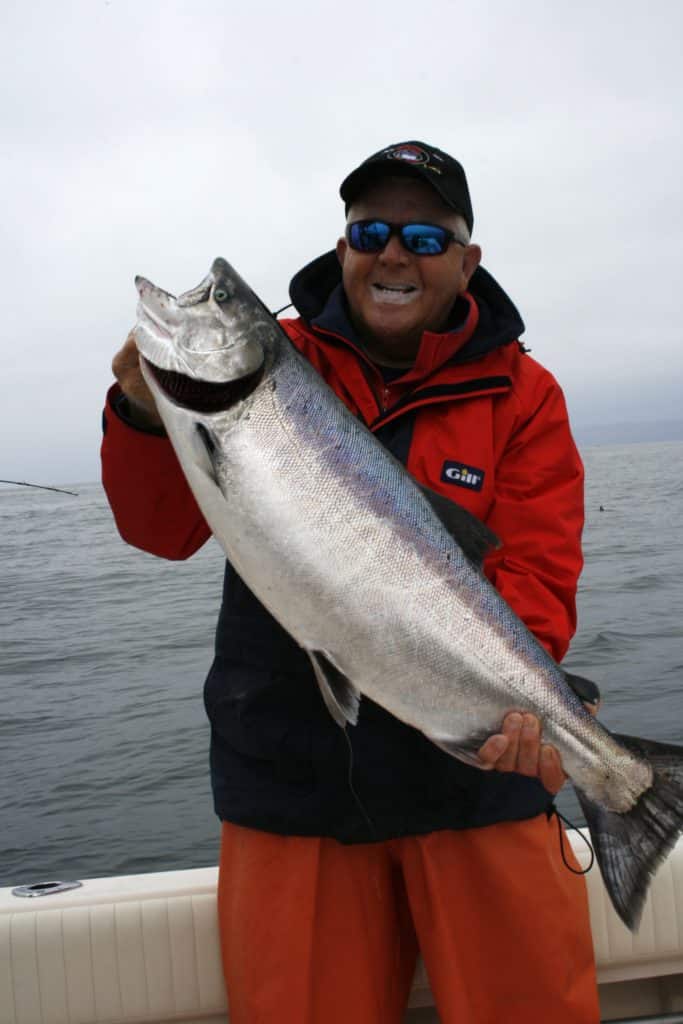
518 748
126 368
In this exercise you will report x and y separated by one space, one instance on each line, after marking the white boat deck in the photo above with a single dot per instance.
143 949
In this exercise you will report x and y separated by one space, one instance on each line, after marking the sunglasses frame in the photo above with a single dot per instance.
397 229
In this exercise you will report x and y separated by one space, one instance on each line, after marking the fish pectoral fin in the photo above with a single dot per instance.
470 534
468 755
340 695
204 448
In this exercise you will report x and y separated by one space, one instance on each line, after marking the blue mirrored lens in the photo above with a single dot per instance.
370 236
424 239
420 239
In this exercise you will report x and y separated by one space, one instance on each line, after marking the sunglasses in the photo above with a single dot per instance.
420 239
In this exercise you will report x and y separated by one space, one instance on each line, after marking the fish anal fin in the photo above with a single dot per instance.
465 753
340 695
470 534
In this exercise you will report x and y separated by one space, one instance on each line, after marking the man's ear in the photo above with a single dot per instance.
342 246
470 262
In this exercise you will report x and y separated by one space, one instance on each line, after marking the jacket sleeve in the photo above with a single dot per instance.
538 514
153 506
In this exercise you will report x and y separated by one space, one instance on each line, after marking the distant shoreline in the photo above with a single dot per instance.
586 436
628 433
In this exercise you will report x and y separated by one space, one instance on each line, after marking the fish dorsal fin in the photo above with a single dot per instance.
585 689
340 695
469 533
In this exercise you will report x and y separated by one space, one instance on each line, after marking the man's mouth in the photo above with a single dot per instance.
397 293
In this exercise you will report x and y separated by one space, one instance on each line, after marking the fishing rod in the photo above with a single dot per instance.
42 487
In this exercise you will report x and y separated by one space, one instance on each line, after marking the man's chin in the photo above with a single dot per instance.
395 342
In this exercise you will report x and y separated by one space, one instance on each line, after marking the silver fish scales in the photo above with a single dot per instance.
377 579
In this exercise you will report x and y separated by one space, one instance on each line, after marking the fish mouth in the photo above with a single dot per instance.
204 395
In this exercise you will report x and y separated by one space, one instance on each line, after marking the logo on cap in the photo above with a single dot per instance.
411 154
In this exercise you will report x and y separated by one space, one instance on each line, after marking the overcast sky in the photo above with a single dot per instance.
148 137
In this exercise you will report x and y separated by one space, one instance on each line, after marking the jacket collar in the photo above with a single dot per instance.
482 319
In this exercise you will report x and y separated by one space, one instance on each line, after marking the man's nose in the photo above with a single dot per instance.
394 251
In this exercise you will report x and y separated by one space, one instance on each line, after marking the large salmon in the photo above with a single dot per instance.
376 578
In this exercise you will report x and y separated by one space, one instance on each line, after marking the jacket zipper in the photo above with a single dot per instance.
414 398
370 371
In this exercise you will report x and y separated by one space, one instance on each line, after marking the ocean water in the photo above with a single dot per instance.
104 649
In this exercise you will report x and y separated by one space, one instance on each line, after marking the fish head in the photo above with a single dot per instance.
207 348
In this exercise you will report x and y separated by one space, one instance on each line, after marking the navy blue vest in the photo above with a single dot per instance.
280 763
278 760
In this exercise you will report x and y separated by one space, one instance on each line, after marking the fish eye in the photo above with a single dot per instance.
220 295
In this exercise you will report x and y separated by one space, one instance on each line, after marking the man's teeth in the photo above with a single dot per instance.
395 292
396 287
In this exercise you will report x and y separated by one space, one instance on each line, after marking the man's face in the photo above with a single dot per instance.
394 295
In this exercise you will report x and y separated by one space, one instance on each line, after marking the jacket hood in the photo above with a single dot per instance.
499 322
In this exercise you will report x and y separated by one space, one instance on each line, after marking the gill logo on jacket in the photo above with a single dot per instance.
462 475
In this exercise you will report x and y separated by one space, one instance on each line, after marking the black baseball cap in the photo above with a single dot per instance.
419 160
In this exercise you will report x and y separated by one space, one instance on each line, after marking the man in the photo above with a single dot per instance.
333 872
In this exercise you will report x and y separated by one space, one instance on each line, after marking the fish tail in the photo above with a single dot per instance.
629 847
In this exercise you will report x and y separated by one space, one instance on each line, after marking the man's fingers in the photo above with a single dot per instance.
490 753
127 358
529 746
550 769
126 368
518 748
512 727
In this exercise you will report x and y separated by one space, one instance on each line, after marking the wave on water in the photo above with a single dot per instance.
105 649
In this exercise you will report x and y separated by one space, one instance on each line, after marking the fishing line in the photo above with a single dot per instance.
41 487
354 794
569 824
278 311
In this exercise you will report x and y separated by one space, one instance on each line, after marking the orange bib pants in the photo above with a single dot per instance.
316 932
